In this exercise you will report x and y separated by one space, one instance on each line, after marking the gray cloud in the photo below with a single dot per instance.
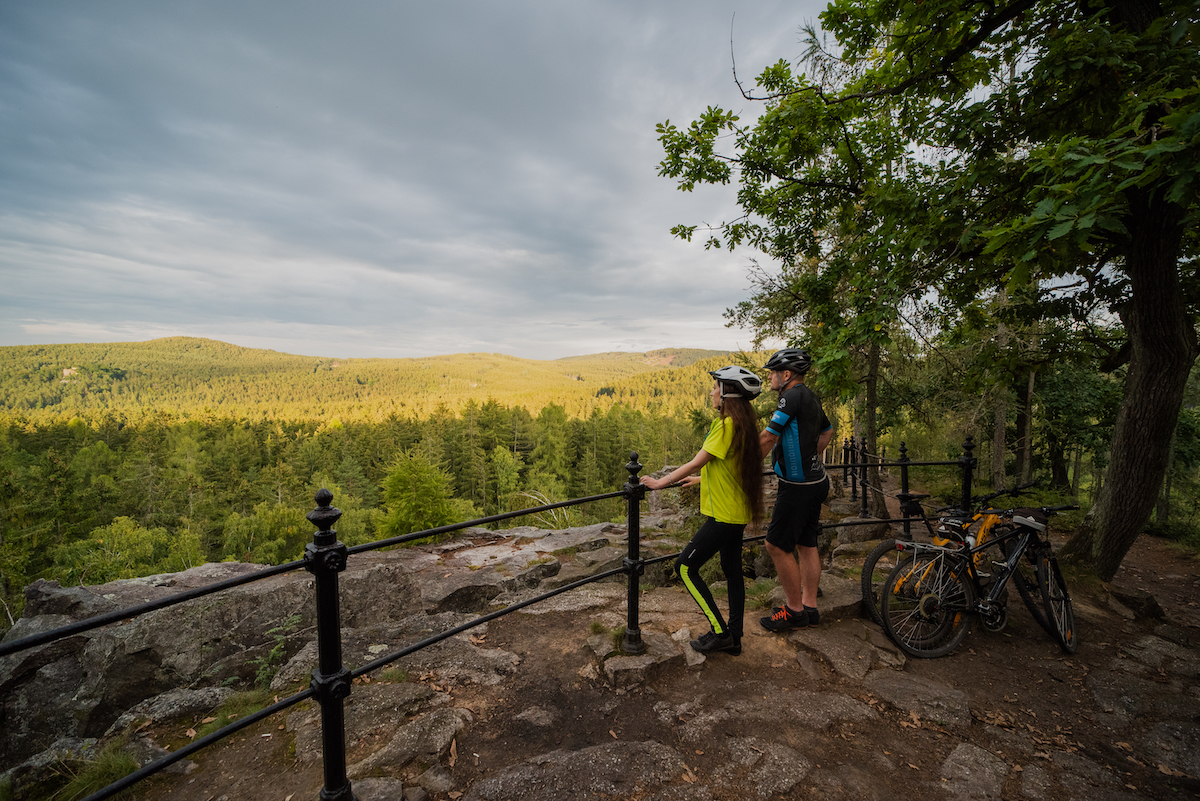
367 179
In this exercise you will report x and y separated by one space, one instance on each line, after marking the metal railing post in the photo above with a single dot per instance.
853 467
635 491
862 475
325 557
845 461
905 496
968 465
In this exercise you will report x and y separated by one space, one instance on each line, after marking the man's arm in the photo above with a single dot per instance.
766 441
823 439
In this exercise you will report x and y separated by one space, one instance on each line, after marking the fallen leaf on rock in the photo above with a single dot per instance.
1124 746
453 752
613 733
191 733
208 720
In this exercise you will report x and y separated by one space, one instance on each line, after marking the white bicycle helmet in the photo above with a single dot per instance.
742 382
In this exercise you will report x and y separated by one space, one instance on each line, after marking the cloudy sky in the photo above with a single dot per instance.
368 178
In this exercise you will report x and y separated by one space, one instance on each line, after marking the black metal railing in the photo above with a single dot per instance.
325 557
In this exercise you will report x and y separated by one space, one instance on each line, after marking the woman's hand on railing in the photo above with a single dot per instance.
665 481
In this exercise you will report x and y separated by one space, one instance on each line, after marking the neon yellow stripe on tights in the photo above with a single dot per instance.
713 621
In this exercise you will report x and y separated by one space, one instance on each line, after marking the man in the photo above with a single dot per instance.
796 436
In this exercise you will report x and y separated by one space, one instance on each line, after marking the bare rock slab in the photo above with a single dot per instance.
773 768
629 671
929 699
427 737
841 647
973 772
612 770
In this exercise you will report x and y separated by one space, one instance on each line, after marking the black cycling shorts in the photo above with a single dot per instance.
796 519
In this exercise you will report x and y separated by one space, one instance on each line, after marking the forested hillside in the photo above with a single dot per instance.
191 376
137 458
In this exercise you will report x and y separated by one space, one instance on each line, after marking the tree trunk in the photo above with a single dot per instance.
1059 479
1024 468
1162 510
877 503
1000 422
1163 347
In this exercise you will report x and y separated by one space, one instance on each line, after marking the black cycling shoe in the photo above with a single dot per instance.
711 642
784 618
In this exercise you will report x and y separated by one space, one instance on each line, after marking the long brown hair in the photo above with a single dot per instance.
745 447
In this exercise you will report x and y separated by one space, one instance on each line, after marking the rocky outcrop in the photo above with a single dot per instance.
80 686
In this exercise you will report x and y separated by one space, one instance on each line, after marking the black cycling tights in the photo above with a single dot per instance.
712 538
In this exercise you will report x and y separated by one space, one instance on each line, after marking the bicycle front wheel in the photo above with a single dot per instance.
926 605
1024 578
1057 601
879 561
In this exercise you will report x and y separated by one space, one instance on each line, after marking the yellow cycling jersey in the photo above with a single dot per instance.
721 495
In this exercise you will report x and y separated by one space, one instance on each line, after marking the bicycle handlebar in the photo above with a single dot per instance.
1043 509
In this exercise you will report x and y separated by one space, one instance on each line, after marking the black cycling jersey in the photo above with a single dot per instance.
798 421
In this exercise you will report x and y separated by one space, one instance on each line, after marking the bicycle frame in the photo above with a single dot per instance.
968 556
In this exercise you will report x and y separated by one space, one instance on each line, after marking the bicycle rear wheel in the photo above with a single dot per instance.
926 605
872 583
1025 579
1058 602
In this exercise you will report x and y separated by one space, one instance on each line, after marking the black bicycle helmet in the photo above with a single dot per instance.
794 359
744 383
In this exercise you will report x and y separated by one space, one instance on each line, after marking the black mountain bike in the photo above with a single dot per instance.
953 525
931 596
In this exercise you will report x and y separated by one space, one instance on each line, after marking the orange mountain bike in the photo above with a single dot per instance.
953 526
930 597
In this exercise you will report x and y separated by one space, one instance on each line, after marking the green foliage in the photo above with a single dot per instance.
758 595
394 676
237 706
124 549
112 763
268 665
418 496
1184 532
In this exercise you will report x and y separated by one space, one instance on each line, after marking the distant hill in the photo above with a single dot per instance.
197 376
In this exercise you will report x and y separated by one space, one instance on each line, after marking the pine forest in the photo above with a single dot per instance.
119 460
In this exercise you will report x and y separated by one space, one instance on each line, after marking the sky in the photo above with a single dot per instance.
368 178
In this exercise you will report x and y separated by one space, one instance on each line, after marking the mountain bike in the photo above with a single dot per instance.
932 594
953 525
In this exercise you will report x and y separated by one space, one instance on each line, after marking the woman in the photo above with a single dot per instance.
731 475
